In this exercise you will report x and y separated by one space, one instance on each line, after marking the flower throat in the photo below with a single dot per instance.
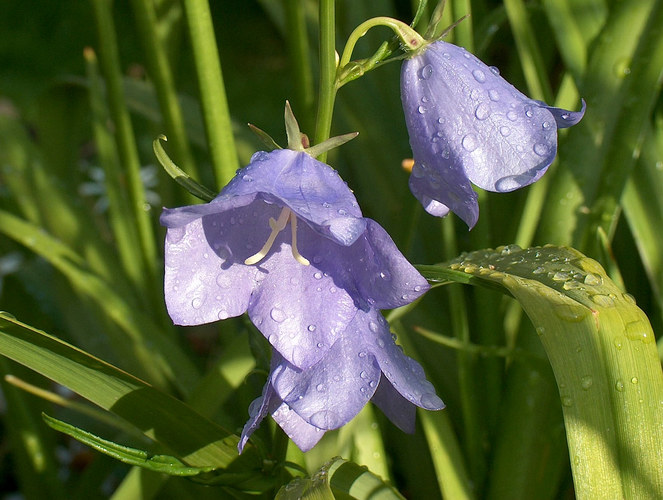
277 226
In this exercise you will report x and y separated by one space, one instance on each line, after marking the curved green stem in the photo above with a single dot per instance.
407 35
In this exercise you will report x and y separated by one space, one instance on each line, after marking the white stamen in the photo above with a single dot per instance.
278 226
295 253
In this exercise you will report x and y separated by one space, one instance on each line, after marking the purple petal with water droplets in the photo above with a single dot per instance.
397 409
467 124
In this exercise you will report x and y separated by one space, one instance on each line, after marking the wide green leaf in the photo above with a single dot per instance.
602 351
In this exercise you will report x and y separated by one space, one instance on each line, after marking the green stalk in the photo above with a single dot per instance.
162 77
218 126
327 86
119 208
126 144
298 50
473 433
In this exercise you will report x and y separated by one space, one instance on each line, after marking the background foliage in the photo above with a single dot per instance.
85 87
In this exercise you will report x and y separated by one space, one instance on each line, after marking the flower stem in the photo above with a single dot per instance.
218 126
327 89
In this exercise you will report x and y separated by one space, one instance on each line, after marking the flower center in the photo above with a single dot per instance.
277 226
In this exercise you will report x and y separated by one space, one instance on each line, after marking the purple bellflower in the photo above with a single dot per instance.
313 290
469 125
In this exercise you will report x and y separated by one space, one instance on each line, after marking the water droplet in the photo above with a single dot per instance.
247 178
326 204
634 380
417 288
636 330
540 149
618 342
629 298
619 385
363 375
362 354
317 275
277 315
373 326
325 419
482 112
586 382
441 120
593 280
446 153
224 281
540 330
505 131
197 303
511 115
422 109
342 212
545 125
320 345
528 113
494 95
223 314
311 328
538 270
567 401
508 183
495 70
603 300
320 387
470 143
570 313
560 276
380 342
479 75
426 72
430 401
385 275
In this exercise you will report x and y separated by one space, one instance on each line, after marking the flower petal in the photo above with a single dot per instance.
310 188
303 434
468 123
397 409
330 393
205 277
405 374
258 410
298 308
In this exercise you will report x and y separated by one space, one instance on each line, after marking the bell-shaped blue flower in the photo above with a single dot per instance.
286 241
468 125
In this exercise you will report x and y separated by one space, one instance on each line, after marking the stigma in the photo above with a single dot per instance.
277 226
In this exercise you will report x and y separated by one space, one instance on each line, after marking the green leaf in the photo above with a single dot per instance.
181 177
192 438
158 463
602 351
339 479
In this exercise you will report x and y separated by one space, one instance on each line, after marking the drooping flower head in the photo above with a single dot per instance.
469 125
286 242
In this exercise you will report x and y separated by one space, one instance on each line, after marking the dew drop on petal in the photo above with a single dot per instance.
528 113
506 184
430 401
419 170
311 328
277 315
494 95
422 109
512 115
320 387
197 303
380 343
482 112
317 275
495 70
363 375
247 178
426 72
479 75
385 275
545 125
373 326
540 149
223 314
469 142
